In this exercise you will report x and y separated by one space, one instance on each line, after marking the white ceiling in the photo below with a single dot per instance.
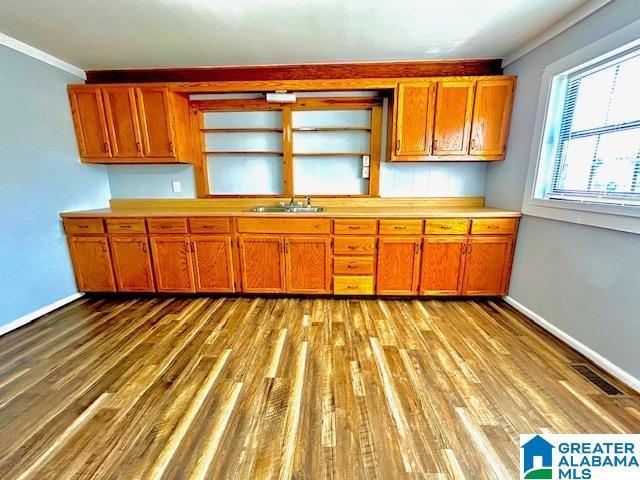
98 34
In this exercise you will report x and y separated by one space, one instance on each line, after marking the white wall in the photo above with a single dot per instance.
584 280
40 176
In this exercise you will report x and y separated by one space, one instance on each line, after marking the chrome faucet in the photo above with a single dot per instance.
291 201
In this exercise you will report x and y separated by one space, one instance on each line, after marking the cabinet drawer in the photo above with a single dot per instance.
493 226
167 225
353 265
447 226
354 245
126 225
348 285
400 227
209 225
83 225
284 225
354 227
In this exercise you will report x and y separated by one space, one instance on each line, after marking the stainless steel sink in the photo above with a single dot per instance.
288 209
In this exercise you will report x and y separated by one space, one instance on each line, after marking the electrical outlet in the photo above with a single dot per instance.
365 160
365 172
177 187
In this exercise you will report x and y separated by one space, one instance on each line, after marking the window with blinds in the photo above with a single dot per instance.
596 135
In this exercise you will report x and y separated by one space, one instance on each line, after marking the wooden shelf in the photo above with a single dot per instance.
263 152
240 130
332 129
331 154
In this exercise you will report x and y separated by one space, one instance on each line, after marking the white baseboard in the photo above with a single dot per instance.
30 317
592 355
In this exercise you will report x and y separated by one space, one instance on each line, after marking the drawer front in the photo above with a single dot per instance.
83 225
348 285
354 227
447 226
209 225
167 225
353 265
276 225
400 227
493 226
126 225
354 245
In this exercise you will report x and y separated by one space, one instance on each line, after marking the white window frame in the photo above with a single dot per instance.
625 218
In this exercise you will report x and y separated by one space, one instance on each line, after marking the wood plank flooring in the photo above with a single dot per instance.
280 388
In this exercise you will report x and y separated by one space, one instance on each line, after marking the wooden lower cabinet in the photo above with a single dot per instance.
442 265
92 263
172 263
132 263
213 263
398 265
262 263
308 261
488 261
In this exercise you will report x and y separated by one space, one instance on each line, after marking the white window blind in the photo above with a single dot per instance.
597 144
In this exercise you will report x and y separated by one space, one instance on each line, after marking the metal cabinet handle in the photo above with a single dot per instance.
399 227
354 227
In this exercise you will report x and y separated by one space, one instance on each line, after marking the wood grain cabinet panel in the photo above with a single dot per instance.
414 118
491 116
350 226
126 225
353 265
447 226
92 263
154 110
487 265
83 225
132 263
87 109
353 285
442 265
172 263
400 227
213 263
398 265
354 246
493 226
167 225
308 261
262 263
452 125
122 120
209 225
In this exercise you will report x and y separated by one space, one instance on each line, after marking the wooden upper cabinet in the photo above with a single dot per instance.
442 264
262 263
122 120
132 263
452 125
92 264
308 261
154 109
491 116
172 263
87 109
398 265
488 260
414 118
213 263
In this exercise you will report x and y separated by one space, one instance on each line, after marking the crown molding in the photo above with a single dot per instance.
556 29
33 52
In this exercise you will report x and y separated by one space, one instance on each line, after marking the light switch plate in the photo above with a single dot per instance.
365 160
177 187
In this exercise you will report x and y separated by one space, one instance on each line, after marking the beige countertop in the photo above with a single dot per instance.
332 212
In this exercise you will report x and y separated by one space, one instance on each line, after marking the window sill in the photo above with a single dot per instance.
612 217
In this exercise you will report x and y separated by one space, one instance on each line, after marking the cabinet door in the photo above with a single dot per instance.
308 261
262 263
442 265
92 264
414 119
398 265
89 121
155 121
172 263
122 120
491 116
132 263
213 263
487 264
452 126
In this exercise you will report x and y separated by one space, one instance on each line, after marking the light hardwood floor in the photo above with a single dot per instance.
261 388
